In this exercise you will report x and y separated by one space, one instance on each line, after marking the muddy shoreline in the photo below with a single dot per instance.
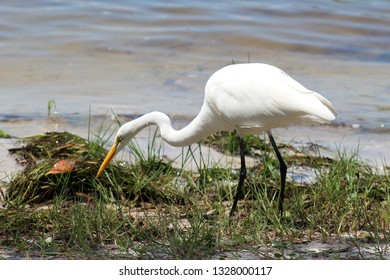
329 139
373 148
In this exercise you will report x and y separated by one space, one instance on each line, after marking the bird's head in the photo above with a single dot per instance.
124 135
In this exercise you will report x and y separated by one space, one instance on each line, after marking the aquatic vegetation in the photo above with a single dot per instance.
149 209
4 134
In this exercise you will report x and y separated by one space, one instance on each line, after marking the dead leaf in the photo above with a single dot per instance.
86 196
63 166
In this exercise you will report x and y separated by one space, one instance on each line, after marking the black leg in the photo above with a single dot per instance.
283 171
242 177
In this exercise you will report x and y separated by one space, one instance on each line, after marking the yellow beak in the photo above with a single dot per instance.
108 158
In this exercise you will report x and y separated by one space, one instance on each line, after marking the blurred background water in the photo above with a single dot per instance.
132 57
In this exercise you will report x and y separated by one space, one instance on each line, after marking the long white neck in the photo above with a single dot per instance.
205 124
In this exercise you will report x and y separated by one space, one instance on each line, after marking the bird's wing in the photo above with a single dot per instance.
265 97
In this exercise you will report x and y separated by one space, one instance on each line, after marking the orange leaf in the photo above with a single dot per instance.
63 166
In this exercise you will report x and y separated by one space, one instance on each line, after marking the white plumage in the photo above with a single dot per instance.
260 97
248 98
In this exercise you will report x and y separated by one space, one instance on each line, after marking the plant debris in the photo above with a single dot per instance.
57 207
65 165
51 145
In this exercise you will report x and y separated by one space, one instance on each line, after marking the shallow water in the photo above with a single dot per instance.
132 57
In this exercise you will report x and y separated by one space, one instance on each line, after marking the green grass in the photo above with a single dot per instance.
149 209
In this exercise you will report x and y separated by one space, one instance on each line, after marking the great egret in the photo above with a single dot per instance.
246 98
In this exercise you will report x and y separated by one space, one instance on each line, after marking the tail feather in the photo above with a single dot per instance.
327 103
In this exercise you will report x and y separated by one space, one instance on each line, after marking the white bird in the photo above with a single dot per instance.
246 98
